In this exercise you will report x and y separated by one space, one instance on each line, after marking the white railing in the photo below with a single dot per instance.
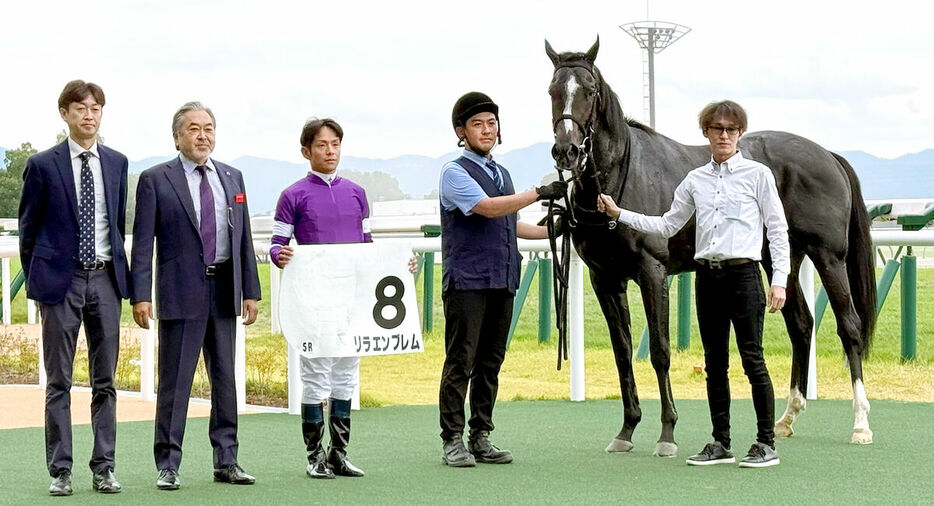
9 249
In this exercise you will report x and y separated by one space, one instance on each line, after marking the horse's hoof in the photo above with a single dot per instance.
619 446
861 437
783 429
665 449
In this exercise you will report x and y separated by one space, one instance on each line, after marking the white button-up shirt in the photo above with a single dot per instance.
733 200
101 225
221 210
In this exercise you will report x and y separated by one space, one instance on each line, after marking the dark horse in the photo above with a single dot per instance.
640 168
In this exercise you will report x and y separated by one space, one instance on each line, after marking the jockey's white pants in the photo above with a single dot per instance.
329 377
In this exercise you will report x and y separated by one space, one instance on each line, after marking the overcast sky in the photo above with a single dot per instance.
849 75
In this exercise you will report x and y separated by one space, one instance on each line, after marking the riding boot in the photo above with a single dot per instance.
313 432
339 424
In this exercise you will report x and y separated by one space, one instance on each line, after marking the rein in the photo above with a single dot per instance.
569 216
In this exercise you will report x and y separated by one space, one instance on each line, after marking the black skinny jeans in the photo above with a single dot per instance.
734 295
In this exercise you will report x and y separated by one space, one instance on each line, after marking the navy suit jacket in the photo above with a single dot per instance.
165 212
48 221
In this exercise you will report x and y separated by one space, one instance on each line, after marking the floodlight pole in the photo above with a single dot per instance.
653 37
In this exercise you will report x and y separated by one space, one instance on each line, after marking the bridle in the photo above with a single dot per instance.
567 214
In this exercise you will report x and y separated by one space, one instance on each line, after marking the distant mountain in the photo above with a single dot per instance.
2 153
908 176
145 163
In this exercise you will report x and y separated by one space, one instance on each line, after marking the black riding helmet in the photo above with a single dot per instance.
470 104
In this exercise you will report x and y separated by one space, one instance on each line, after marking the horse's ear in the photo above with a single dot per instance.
551 53
592 52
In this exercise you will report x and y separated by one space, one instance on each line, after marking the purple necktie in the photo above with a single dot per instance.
208 223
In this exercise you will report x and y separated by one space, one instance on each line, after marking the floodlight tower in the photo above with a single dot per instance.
653 37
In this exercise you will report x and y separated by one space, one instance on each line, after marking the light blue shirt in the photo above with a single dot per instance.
221 211
459 189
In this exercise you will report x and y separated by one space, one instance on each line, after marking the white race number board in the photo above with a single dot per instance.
342 300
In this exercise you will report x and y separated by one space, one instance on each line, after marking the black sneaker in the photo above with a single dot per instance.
713 453
760 455
456 454
484 451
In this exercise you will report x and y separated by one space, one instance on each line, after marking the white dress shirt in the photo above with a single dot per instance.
221 211
101 225
733 200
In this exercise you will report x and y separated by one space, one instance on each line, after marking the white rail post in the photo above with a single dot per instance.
147 345
295 382
43 377
240 364
806 280
147 363
274 275
7 316
576 325
30 311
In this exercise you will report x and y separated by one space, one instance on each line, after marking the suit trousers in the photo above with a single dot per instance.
92 298
180 343
734 295
475 331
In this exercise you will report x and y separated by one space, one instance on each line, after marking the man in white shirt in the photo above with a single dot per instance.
733 198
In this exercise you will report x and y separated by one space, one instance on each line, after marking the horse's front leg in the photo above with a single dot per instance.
611 294
654 287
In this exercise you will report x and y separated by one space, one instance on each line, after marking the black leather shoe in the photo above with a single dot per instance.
105 482
168 480
484 451
61 484
233 474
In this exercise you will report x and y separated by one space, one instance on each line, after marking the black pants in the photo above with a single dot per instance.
91 298
475 332
734 295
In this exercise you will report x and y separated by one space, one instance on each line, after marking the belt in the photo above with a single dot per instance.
97 265
726 262
215 269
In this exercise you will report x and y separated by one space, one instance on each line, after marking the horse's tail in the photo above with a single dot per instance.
860 259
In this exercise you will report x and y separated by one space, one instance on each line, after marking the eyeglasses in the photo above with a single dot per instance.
718 130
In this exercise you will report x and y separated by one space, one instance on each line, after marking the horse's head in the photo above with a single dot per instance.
575 94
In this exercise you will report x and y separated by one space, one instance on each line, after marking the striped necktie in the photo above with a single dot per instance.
497 177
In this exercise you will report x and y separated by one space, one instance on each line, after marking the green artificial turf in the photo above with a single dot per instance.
559 458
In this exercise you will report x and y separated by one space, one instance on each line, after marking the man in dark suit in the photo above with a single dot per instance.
71 222
195 208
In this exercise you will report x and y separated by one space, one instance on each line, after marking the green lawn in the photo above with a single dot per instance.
559 459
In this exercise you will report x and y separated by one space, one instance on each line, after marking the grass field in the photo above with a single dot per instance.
558 447
529 371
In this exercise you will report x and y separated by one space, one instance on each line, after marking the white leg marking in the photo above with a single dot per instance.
862 434
796 404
